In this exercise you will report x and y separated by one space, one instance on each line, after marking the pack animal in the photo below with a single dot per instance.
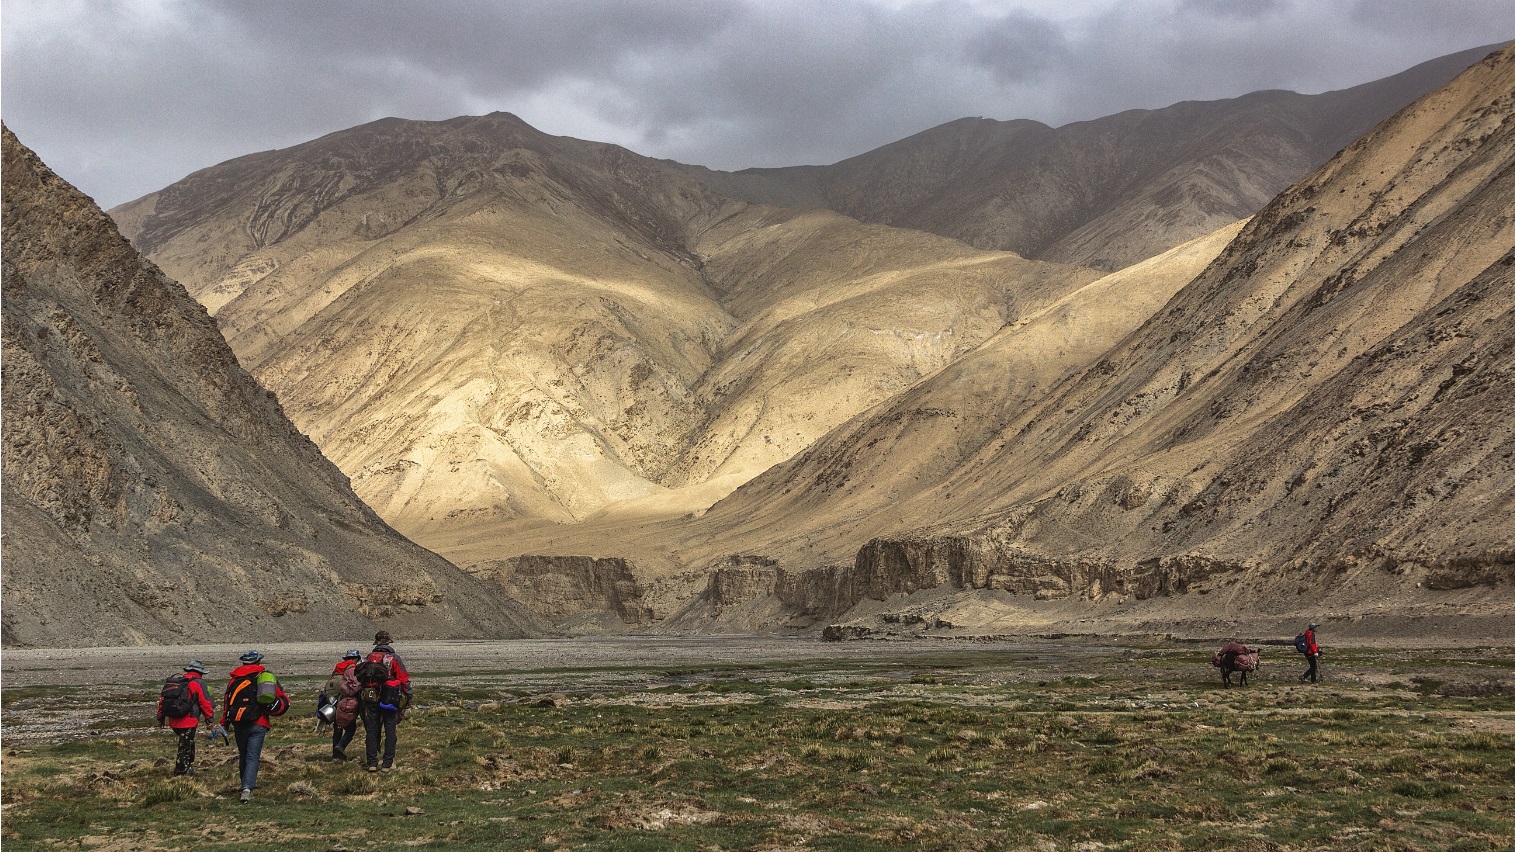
1235 657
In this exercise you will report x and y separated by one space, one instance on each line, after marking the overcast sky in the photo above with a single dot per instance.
123 97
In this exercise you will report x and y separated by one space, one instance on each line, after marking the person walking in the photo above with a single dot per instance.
181 705
253 694
386 693
342 689
1312 653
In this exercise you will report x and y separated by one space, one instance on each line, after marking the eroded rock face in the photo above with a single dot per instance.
153 492
739 593
563 588
904 566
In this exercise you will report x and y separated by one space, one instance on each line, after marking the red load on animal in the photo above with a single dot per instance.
1246 659
1235 657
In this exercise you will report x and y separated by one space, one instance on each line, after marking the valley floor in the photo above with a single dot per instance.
780 743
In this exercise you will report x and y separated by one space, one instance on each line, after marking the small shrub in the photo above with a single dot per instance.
1480 741
165 792
1105 766
943 755
353 785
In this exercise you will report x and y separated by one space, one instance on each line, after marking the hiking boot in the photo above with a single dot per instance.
387 766
373 768
189 771
339 754
247 795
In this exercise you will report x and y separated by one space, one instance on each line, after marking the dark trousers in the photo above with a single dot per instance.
249 749
373 717
184 758
1310 673
342 736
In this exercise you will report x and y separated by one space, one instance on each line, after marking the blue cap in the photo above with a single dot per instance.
250 657
352 654
195 666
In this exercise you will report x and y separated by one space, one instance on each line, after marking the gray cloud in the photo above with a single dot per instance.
123 97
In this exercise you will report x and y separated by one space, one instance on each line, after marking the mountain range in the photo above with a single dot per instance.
1104 193
1147 370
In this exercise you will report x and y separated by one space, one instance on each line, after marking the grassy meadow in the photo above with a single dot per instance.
963 750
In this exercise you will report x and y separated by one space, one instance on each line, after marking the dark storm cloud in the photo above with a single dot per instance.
125 97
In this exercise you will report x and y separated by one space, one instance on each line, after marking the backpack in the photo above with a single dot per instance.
241 697
375 670
349 686
1301 645
257 692
174 700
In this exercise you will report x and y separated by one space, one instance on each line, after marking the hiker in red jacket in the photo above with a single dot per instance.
345 715
253 694
185 726
1312 653
385 696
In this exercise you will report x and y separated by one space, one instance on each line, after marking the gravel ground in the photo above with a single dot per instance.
583 666
630 669
134 665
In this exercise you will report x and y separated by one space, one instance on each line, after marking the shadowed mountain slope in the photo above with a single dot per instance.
482 323
1104 193
153 492
1320 422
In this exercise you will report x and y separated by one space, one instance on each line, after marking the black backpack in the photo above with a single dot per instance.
1301 645
242 696
373 672
174 700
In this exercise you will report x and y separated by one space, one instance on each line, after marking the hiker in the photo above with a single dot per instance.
342 689
1312 653
181 704
253 694
386 693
